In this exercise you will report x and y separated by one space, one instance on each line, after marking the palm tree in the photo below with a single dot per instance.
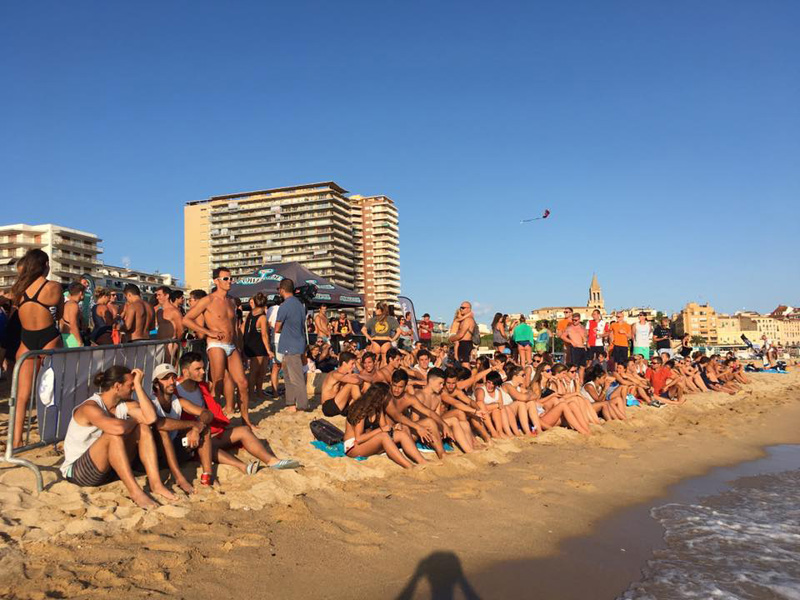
698 340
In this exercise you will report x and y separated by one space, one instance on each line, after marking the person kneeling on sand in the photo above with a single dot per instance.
341 387
106 432
369 432
224 436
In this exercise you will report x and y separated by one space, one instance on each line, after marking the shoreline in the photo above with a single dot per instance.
612 555
353 538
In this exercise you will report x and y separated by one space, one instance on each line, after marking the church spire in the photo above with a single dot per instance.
595 294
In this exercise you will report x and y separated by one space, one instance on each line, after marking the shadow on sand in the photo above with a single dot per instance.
444 574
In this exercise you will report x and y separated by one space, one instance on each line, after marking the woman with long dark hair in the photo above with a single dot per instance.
499 333
39 303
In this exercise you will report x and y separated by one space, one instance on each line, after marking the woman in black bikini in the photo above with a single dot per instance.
40 303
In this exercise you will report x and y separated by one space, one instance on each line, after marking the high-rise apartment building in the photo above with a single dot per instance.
376 237
72 252
310 224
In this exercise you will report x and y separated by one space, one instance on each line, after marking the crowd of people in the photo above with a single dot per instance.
394 388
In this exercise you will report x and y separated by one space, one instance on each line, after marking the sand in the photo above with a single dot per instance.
345 529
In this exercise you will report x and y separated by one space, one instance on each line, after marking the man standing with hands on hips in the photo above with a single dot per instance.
290 326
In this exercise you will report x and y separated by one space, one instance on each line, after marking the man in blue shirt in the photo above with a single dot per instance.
291 326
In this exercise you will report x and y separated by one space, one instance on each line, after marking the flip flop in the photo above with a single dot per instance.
286 463
252 468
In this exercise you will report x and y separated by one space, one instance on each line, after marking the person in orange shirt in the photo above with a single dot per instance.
620 337
561 327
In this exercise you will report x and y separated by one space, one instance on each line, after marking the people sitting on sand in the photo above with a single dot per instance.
224 436
180 440
108 430
368 430
711 379
458 399
341 387
428 427
665 382
594 390
431 396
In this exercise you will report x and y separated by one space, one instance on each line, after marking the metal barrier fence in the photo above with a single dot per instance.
61 379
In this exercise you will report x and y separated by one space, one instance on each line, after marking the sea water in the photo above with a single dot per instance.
741 543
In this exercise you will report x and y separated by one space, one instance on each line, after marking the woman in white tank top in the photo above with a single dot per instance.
490 398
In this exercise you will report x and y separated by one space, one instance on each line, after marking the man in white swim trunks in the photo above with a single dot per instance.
219 326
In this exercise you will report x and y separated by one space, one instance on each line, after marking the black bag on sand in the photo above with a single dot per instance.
326 432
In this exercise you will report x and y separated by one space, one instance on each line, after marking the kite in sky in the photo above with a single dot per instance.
545 214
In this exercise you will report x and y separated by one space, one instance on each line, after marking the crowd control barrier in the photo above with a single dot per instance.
61 379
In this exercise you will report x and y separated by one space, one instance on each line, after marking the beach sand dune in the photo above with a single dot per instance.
339 528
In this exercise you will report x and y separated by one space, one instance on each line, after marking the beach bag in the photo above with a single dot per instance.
326 432
476 336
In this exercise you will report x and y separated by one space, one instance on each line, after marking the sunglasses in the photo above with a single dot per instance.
463 307
224 278
548 371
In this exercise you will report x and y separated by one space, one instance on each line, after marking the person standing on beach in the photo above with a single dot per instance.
598 334
322 325
620 337
662 336
425 328
464 333
71 321
542 337
290 324
220 327
575 336
135 314
642 332
560 328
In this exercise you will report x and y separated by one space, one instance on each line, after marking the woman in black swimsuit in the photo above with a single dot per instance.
40 303
256 342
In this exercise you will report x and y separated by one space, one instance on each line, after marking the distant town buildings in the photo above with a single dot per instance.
351 240
72 253
557 312
781 326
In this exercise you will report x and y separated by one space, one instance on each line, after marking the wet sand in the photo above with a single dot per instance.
341 529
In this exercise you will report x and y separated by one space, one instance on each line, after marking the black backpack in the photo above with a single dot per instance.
326 432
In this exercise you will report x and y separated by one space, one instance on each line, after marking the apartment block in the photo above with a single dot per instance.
310 224
730 329
376 237
72 252
698 319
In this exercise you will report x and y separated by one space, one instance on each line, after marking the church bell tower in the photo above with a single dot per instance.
595 295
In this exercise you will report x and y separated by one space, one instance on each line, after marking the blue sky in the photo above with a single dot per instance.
664 137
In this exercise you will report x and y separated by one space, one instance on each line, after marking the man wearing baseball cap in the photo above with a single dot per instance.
180 439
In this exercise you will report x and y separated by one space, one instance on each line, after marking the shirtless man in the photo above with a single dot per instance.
72 318
135 314
393 359
457 400
431 397
423 418
419 372
576 337
367 371
341 387
219 314
169 320
463 335
322 325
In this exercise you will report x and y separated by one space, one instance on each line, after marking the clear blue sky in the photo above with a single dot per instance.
664 136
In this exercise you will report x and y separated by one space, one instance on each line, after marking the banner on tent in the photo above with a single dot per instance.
407 306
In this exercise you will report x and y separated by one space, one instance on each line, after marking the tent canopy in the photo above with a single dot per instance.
267 278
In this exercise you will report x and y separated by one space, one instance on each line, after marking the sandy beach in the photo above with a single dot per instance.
345 529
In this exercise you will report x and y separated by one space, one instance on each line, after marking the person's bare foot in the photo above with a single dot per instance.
143 500
186 487
290 409
164 493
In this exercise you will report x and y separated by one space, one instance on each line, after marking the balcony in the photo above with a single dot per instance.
23 242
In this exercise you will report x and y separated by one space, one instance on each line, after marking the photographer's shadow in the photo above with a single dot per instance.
444 573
